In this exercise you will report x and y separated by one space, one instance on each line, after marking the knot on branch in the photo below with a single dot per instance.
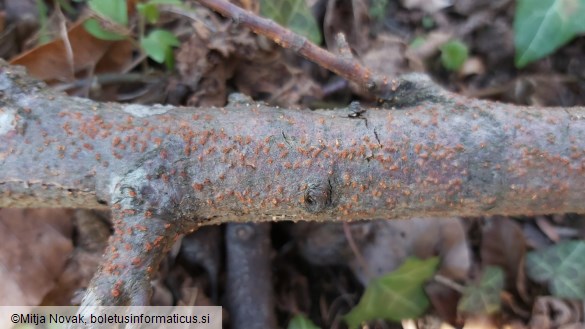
413 89
155 189
317 197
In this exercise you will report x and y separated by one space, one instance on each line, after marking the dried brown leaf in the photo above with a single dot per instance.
49 62
70 285
473 65
275 82
350 18
36 244
547 228
503 245
385 244
2 20
444 301
551 312
207 60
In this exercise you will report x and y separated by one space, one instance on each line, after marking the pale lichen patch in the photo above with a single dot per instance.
7 120
5 82
142 111
114 181
130 180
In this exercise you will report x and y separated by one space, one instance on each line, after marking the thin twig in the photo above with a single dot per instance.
109 79
348 68
449 283
188 13
65 37
356 251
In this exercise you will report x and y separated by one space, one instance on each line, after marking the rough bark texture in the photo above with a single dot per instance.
442 155
164 171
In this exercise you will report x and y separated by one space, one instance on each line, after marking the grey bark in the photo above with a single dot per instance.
167 170
442 155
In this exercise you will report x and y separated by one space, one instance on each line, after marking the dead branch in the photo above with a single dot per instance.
165 170
445 156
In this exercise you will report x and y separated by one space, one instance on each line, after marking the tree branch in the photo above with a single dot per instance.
443 156
164 170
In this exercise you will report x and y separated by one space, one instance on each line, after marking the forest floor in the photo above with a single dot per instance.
491 269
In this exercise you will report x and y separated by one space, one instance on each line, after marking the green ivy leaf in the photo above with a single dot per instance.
301 322
541 27
149 11
484 296
43 14
293 14
170 59
113 10
158 45
453 54
395 296
561 266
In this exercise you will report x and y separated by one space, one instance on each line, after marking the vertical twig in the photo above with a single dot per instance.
250 291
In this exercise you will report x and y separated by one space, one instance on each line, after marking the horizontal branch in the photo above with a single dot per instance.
443 155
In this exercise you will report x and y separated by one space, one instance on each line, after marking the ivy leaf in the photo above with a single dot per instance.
484 296
43 14
561 266
148 11
301 322
113 10
395 296
158 45
541 27
293 14
453 54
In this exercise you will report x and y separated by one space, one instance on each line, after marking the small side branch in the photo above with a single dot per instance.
132 257
345 66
